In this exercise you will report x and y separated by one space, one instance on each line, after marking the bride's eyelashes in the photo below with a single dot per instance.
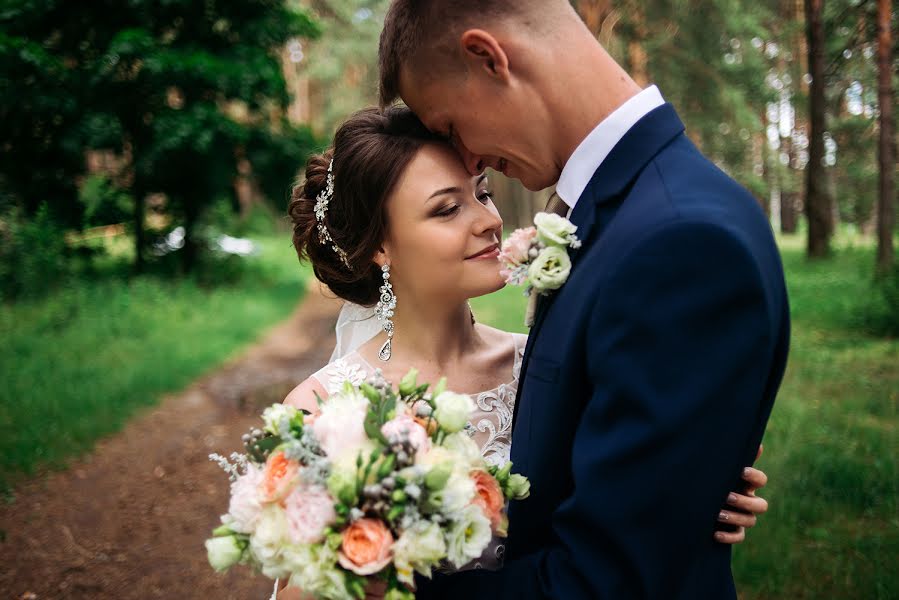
483 196
447 211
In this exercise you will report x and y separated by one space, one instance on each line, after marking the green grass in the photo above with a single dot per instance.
77 364
831 445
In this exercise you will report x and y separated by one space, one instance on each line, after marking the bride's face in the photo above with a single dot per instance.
443 231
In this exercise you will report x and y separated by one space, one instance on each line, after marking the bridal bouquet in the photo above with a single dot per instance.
379 485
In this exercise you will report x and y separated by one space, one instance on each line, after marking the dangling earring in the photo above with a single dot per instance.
385 309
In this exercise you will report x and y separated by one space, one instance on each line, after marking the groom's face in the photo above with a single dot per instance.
489 125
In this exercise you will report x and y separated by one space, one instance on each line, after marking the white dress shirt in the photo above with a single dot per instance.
599 143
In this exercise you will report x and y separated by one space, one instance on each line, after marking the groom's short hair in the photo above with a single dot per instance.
423 33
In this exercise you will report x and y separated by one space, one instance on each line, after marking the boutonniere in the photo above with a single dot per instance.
537 257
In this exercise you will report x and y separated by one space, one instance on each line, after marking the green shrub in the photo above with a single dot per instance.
33 254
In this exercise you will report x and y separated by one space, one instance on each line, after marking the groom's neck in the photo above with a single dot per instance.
583 91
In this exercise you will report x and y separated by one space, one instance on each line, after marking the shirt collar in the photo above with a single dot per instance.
594 149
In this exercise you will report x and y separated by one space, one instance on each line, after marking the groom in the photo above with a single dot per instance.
663 352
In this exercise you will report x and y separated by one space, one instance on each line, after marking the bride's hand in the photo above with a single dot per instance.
742 509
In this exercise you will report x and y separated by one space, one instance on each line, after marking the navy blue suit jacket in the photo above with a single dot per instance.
647 383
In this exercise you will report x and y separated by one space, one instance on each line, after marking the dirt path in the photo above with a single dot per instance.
129 520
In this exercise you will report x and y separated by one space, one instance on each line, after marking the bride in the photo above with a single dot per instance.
390 219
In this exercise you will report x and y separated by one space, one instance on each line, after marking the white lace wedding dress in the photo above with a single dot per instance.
491 423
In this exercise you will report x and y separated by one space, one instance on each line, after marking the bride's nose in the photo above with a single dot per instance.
488 221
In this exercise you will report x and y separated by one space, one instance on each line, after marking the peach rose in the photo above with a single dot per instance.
366 547
489 496
279 477
430 425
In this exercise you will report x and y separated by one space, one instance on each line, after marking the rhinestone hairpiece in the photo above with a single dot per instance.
321 209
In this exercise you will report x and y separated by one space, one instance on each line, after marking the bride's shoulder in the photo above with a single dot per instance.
328 380
304 395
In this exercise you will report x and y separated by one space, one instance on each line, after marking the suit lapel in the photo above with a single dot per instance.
611 180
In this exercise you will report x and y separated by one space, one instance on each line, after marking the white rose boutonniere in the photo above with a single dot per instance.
537 257
550 269
554 230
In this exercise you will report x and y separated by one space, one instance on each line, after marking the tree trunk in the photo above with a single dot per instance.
817 199
788 202
886 201
637 57
761 162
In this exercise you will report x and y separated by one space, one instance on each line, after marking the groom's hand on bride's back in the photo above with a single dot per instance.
742 508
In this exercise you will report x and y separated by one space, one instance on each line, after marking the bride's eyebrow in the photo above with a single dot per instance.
456 189
449 190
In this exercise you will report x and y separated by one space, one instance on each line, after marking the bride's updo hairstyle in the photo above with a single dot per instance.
371 151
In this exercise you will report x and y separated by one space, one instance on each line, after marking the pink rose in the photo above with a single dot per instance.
244 506
366 547
309 511
516 247
417 434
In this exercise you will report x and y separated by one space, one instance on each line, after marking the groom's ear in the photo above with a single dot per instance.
483 53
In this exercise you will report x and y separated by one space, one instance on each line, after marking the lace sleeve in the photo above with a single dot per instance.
520 340
333 375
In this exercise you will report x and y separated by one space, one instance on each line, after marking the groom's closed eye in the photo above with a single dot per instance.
449 134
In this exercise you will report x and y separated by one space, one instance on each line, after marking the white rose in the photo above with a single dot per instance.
465 449
458 493
223 552
270 538
453 411
468 536
244 507
274 416
340 428
554 230
550 269
315 571
419 548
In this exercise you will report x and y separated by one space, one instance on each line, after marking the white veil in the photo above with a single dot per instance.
355 326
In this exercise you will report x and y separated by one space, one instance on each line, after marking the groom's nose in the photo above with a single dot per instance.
474 163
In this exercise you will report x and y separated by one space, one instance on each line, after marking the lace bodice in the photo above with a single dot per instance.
491 422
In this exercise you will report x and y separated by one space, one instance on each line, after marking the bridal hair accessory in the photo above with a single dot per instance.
537 257
385 309
321 209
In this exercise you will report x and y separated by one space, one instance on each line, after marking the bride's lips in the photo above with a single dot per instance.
491 251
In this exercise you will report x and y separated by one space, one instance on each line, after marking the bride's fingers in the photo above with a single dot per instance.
730 537
749 504
737 519
761 449
755 478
